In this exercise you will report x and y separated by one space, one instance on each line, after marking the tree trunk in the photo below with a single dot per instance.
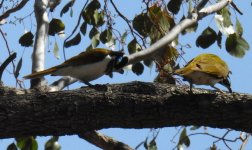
129 105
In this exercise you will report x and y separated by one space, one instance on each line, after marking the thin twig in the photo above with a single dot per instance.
128 23
1 4
178 131
214 136
244 141
9 51
226 145
5 63
75 28
12 10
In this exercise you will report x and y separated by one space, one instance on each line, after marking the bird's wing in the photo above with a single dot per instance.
219 70
86 57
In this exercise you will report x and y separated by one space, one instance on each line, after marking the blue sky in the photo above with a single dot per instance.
240 78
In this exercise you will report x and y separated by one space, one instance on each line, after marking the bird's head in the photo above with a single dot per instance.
227 84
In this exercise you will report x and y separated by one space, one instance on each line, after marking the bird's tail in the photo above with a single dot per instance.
40 73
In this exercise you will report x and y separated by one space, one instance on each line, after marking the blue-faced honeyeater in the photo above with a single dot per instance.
86 66
206 69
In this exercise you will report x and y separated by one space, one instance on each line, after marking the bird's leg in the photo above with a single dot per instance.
110 67
217 89
191 86
87 83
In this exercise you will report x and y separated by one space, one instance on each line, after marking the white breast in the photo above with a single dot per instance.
87 72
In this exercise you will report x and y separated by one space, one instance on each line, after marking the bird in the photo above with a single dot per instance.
87 66
206 69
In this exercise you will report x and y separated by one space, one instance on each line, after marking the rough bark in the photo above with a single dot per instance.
129 105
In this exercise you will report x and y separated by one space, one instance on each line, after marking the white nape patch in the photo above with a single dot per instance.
87 72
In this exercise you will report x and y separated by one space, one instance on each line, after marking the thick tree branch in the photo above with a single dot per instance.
130 105
160 44
12 10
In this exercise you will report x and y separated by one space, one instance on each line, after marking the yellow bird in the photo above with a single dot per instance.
86 66
206 69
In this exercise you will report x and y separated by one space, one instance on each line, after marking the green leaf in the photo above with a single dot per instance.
106 35
27 143
95 42
26 39
207 38
83 28
74 41
66 8
91 14
94 4
142 24
155 35
133 46
148 62
12 146
111 44
55 26
56 50
161 21
124 36
96 16
236 46
226 17
152 145
184 139
239 28
174 6
219 39
52 144
195 127
90 47
93 32
71 12
213 147
99 18
19 65
146 143
138 68
21 142
34 144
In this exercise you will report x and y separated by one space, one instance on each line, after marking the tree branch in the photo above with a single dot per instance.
12 10
6 63
61 83
129 105
103 141
38 55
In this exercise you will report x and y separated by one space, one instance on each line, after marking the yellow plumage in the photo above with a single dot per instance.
206 69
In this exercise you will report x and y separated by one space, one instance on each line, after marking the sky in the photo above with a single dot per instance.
241 73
